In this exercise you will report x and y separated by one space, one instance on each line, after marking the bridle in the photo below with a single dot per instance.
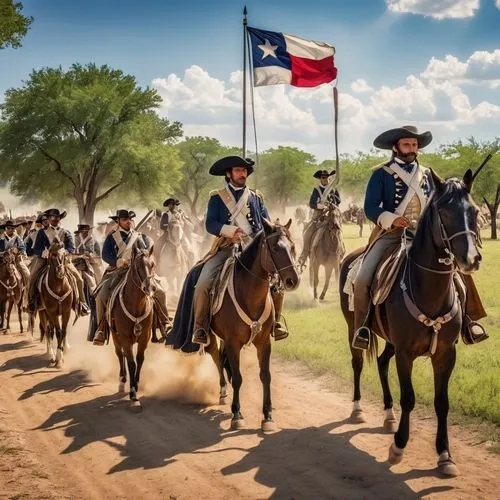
450 259
276 272
142 284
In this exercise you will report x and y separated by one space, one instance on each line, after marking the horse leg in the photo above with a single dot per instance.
132 367
123 373
20 313
357 361
64 344
315 276
264 356
9 312
328 275
404 365
141 348
217 354
233 354
2 315
443 365
60 344
390 422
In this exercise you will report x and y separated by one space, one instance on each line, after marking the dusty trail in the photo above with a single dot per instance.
68 434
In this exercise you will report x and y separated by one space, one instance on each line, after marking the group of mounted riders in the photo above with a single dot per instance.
396 196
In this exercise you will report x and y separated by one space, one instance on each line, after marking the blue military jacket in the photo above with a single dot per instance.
42 241
110 248
89 246
333 197
14 241
218 214
386 190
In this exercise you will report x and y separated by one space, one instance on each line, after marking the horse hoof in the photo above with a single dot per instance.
59 364
268 426
357 417
52 362
121 387
446 466
135 405
391 425
223 400
321 297
237 424
395 454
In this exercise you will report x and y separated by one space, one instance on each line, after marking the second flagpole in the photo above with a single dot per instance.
244 144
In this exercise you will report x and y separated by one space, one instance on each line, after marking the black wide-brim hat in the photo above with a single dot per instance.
322 173
55 212
83 227
168 201
220 167
387 139
9 223
123 214
41 218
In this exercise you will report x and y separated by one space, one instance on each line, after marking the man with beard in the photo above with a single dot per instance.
396 196
234 215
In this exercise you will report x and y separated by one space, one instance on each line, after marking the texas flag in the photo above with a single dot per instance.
281 58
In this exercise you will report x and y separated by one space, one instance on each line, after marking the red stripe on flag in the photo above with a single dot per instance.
310 72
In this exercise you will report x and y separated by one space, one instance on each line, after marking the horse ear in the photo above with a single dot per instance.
437 181
288 224
468 180
268 227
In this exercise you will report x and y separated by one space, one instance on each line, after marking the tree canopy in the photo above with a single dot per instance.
13 24
84 134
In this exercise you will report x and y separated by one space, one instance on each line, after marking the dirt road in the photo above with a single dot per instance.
69 434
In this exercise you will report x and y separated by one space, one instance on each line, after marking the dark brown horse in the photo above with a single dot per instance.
131 318
328 250
249 318
446 241
56 301
11 290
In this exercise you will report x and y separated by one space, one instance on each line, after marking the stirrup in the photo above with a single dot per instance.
201 337
470 337
99 338
279 332
359 341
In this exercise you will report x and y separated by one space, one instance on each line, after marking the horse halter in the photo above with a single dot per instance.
143 284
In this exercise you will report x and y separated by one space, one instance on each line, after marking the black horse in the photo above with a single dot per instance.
446 241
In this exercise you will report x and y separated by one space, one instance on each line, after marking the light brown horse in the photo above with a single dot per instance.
173 262
327 250
131 318
11 289
269 255
56 300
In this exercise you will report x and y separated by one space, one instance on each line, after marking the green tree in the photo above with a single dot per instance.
84 134
13 25
197 155
285 175
457 157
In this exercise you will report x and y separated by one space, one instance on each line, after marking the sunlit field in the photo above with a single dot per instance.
319 339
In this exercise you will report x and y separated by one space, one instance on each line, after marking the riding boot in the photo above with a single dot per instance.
38 264
279 331
362 308
100 335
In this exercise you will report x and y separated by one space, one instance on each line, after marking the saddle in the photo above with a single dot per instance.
220 285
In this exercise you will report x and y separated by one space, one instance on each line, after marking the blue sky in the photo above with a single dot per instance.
191 51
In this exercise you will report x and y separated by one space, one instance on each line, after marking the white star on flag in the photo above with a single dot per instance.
268 49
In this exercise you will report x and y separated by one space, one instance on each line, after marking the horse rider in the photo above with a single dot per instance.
43 240
322 196
396 195
41 222
88 247
117 253
235 215
10 239
24 228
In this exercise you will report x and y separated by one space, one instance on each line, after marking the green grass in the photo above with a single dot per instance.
319 340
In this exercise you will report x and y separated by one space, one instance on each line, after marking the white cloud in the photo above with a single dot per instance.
303 118
481 68
360 85
498 4
438 9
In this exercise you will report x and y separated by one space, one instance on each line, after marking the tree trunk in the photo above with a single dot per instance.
493 213
86 212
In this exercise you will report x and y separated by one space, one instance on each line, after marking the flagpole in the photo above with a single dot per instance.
335 128
244 145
